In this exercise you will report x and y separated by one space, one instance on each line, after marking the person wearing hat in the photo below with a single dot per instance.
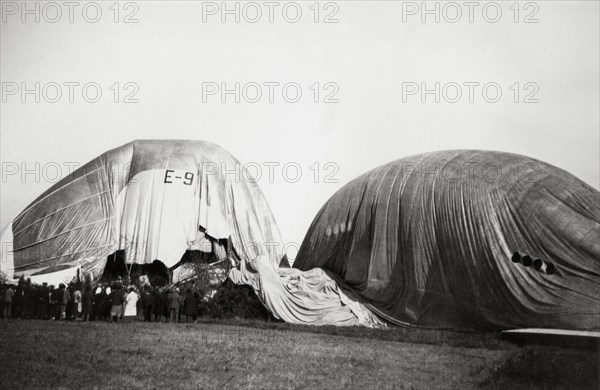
42 297
175 301
148 303
87 303
190 306
8 300
65 296
97 303
116 298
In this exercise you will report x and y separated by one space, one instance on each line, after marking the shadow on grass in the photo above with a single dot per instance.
394 334
545 367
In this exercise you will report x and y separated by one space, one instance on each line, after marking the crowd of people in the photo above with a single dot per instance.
104 302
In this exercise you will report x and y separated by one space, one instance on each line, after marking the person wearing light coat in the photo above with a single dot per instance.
131 304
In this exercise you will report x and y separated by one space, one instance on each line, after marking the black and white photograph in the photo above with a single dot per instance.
303 194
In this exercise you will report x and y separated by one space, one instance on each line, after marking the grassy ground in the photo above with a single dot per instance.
253 354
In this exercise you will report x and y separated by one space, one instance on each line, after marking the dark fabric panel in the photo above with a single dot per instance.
427 240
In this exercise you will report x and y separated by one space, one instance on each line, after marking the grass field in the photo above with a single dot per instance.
254 354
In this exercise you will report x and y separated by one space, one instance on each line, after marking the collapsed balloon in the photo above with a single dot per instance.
152 199
435 240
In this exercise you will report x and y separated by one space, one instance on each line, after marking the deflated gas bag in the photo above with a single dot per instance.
465 240
154 199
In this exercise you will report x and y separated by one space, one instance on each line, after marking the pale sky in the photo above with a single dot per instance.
369 57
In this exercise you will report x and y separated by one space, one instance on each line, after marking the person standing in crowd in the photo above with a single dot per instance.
55 301
86 303
2 290
17 308
190 306
166 304
107 303
116 297
175 301
77 306
124 293
34 291
158 305
42 301
69 305
131 304
62 296
96 302
148 303
28 300
8 301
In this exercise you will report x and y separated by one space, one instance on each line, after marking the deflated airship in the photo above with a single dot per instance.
152 199
464 239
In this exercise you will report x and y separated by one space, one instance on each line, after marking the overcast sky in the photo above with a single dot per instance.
368 58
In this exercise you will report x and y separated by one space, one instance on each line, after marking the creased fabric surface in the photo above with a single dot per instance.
149 198
427 241
308 298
